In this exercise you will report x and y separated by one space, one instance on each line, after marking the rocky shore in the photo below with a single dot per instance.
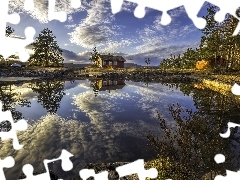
70 74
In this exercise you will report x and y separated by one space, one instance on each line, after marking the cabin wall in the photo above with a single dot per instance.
120 64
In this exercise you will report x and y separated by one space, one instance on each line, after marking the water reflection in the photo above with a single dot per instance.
10 97
106 85
196 141
50 94
112 125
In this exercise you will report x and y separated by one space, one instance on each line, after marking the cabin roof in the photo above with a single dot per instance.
111 58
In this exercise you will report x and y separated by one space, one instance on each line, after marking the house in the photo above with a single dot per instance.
110 60
108 85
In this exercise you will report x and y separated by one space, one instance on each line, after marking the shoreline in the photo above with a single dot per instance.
153 75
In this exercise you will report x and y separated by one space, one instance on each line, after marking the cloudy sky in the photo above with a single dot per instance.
93 24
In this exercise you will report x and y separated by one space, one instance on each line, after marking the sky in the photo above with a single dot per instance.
94 25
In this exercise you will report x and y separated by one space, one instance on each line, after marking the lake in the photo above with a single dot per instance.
101 121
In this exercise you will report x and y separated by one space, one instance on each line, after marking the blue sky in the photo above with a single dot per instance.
93 24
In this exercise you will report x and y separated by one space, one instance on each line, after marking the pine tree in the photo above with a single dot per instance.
46 50
211 42
147 61
94 57
9 31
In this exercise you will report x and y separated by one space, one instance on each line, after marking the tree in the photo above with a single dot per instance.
9 31
46 50
218 40
95 57
147 61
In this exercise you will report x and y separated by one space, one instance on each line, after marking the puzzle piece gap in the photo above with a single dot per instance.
29 5
166 19
219 158
13 18
139 12
8 162
137 167
76 3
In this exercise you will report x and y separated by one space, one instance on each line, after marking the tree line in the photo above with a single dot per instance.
216 44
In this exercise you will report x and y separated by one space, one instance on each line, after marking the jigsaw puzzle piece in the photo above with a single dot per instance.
159 5
5 17
116 6
229 175
8 162
29 5
18 126
192 9
76 3
227 133
226 7
67 165
13 45
61 16
87 173
28 171
137 167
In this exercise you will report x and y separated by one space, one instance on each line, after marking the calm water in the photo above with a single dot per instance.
108 121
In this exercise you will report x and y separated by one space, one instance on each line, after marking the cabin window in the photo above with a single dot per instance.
104 62
110 63
115 63
110 82
104 83
115 83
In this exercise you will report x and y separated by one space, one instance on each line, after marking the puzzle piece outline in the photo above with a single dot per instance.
136 167
7 162
12 133
192 9
13 45
139 12
67 165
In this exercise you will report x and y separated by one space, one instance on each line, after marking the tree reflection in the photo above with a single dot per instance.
96 85
10 100
196 140
50 94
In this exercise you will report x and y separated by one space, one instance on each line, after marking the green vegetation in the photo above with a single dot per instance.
94 59
217 41
190 148
46 50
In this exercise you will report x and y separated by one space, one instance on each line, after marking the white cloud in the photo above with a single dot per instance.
70 56
40 11
161 41
71 26
98 29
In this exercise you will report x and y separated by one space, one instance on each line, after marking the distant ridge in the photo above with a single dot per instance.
132 65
